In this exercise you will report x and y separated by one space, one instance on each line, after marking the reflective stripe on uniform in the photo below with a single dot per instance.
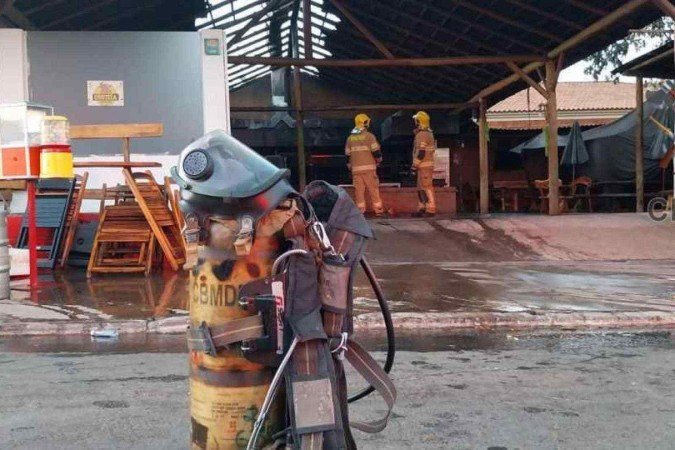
426 164
360 148
364 168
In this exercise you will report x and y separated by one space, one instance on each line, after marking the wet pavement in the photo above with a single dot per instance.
499 287
524 286
600 390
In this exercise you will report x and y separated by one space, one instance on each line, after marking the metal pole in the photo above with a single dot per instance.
552 123
639 143
299 128
32 234
483 157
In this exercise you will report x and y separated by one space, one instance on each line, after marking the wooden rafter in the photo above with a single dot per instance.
362 28
525 77
307 27
501 18
374 107
583 4
241 10
528 6
78 13
127 13
595 28
9 11
396 62
666 6
400 31
482 28
458 80
255 18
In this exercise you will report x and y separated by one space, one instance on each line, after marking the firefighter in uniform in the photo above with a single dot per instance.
424 148
364 155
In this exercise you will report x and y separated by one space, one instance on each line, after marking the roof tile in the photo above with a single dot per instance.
573 96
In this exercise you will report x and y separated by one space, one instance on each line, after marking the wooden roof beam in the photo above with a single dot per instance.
555 17
500 18
78 13
396 62
307 28
583 4
525 77
241 10
666 7
401 31
375 107
455 18
595 28
362 28
456 76
255 18
9 11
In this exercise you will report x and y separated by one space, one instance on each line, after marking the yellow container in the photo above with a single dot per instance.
56 161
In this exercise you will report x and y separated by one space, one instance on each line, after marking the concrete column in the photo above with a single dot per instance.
13 66
215 86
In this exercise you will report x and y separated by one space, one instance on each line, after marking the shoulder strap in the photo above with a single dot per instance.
371 371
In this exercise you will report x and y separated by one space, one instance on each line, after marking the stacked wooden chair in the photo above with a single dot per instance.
139 221
73 216
52 209
124 242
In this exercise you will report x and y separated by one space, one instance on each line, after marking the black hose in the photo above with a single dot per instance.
388 323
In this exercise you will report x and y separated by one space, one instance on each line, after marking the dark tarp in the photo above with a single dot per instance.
611 147
575 151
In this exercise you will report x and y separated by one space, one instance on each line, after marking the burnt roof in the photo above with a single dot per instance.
408 28
655 64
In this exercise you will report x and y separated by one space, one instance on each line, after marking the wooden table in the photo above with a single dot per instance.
514 188
117 164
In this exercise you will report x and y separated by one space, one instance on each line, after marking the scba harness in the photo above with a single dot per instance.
292 329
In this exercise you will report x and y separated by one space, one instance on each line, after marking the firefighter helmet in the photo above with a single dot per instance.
361 121
422 119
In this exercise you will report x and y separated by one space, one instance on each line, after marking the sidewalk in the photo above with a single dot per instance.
526 278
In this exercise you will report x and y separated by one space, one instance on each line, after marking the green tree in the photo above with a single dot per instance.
654 35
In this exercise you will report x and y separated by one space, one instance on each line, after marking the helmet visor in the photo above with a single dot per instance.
218 165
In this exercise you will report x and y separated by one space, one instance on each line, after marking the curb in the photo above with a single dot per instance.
517 321
372 322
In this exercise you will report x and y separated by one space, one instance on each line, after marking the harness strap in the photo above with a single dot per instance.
371 371
210 339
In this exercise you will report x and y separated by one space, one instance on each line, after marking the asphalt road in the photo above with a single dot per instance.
486 391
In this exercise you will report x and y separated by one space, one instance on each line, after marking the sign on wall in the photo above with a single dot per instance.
105 93
212 47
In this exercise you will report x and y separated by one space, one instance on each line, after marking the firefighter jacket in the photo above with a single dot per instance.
362 149
424 149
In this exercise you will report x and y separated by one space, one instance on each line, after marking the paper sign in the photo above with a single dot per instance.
105 93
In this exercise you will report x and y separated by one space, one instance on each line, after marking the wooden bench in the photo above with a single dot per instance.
123 131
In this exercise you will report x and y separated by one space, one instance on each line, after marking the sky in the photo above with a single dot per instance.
576 71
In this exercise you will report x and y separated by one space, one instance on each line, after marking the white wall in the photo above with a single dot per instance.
13 66
215 91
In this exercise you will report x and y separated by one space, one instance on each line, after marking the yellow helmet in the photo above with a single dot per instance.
422 119
362 121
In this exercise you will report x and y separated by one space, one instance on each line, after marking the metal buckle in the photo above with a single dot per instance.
204 335
320 234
